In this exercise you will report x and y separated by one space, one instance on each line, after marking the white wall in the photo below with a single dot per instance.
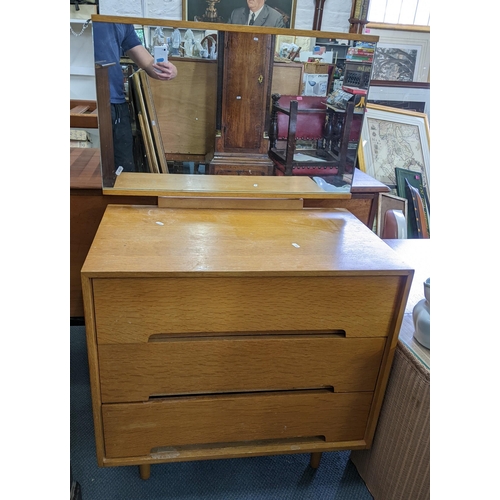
82 81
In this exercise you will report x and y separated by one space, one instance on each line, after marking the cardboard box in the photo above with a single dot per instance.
316 68
315 84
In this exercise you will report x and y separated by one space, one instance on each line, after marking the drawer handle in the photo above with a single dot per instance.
172 337
271 392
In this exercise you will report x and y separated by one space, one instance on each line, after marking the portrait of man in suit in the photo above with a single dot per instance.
257 13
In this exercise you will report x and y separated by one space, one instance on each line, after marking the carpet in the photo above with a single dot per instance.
282 477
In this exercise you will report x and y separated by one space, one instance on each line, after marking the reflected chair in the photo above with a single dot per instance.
307 137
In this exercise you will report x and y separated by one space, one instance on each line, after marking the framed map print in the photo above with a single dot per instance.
394 138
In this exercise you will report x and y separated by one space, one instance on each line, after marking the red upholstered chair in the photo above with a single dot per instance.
306 120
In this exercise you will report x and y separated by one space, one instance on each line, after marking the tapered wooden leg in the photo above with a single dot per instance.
315 460
145 471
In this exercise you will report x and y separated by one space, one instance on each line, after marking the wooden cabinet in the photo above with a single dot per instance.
227 333
244 89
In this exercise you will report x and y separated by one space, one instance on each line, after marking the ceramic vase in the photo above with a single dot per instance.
422 317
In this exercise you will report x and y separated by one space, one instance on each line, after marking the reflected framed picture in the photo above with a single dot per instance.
401 55
275 13
397 63
409 96
394 138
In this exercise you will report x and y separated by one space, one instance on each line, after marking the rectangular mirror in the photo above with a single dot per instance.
249 101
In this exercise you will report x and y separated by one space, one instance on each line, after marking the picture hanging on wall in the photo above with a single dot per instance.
395 63
401 55
394 138
281 13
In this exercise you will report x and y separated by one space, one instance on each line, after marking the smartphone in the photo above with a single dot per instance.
161 53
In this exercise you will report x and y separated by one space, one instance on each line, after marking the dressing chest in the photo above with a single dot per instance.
217 333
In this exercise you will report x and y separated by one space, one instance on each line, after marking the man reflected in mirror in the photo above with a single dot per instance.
257 13
112 41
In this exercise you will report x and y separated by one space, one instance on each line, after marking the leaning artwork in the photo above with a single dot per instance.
393 138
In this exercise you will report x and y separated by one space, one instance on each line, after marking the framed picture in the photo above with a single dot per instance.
401 55
412 97
220 12
394 138
387 202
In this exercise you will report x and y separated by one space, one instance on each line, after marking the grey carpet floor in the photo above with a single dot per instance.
284 477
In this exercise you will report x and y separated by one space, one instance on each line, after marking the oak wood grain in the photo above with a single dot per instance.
218 186
231 299
135 429
166 454
161 242
130 310
231 203
190 365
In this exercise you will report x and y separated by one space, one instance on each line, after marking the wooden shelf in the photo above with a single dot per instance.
82 114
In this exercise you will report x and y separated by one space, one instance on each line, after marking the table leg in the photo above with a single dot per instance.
315 460
145 471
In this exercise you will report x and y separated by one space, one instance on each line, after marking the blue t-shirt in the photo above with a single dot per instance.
111 41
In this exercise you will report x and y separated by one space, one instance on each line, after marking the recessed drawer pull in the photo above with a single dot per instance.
325 388
312 334
166 452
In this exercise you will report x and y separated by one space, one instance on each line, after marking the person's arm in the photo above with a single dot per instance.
145 61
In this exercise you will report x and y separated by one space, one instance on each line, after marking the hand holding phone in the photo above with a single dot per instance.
160 55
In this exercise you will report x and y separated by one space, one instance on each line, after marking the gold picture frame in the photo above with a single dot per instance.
393 137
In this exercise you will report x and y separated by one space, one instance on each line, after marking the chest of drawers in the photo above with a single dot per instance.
229 333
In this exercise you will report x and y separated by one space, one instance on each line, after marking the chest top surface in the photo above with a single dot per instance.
151 241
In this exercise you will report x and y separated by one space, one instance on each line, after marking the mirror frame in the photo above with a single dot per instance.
108 176
169 23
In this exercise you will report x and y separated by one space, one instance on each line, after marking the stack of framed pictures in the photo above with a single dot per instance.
394 146
145 113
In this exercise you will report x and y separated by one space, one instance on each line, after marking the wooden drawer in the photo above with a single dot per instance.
129 310
135 372
135 429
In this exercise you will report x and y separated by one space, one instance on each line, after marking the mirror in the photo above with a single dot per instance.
246 101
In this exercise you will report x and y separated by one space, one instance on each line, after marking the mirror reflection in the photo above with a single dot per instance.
181 100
